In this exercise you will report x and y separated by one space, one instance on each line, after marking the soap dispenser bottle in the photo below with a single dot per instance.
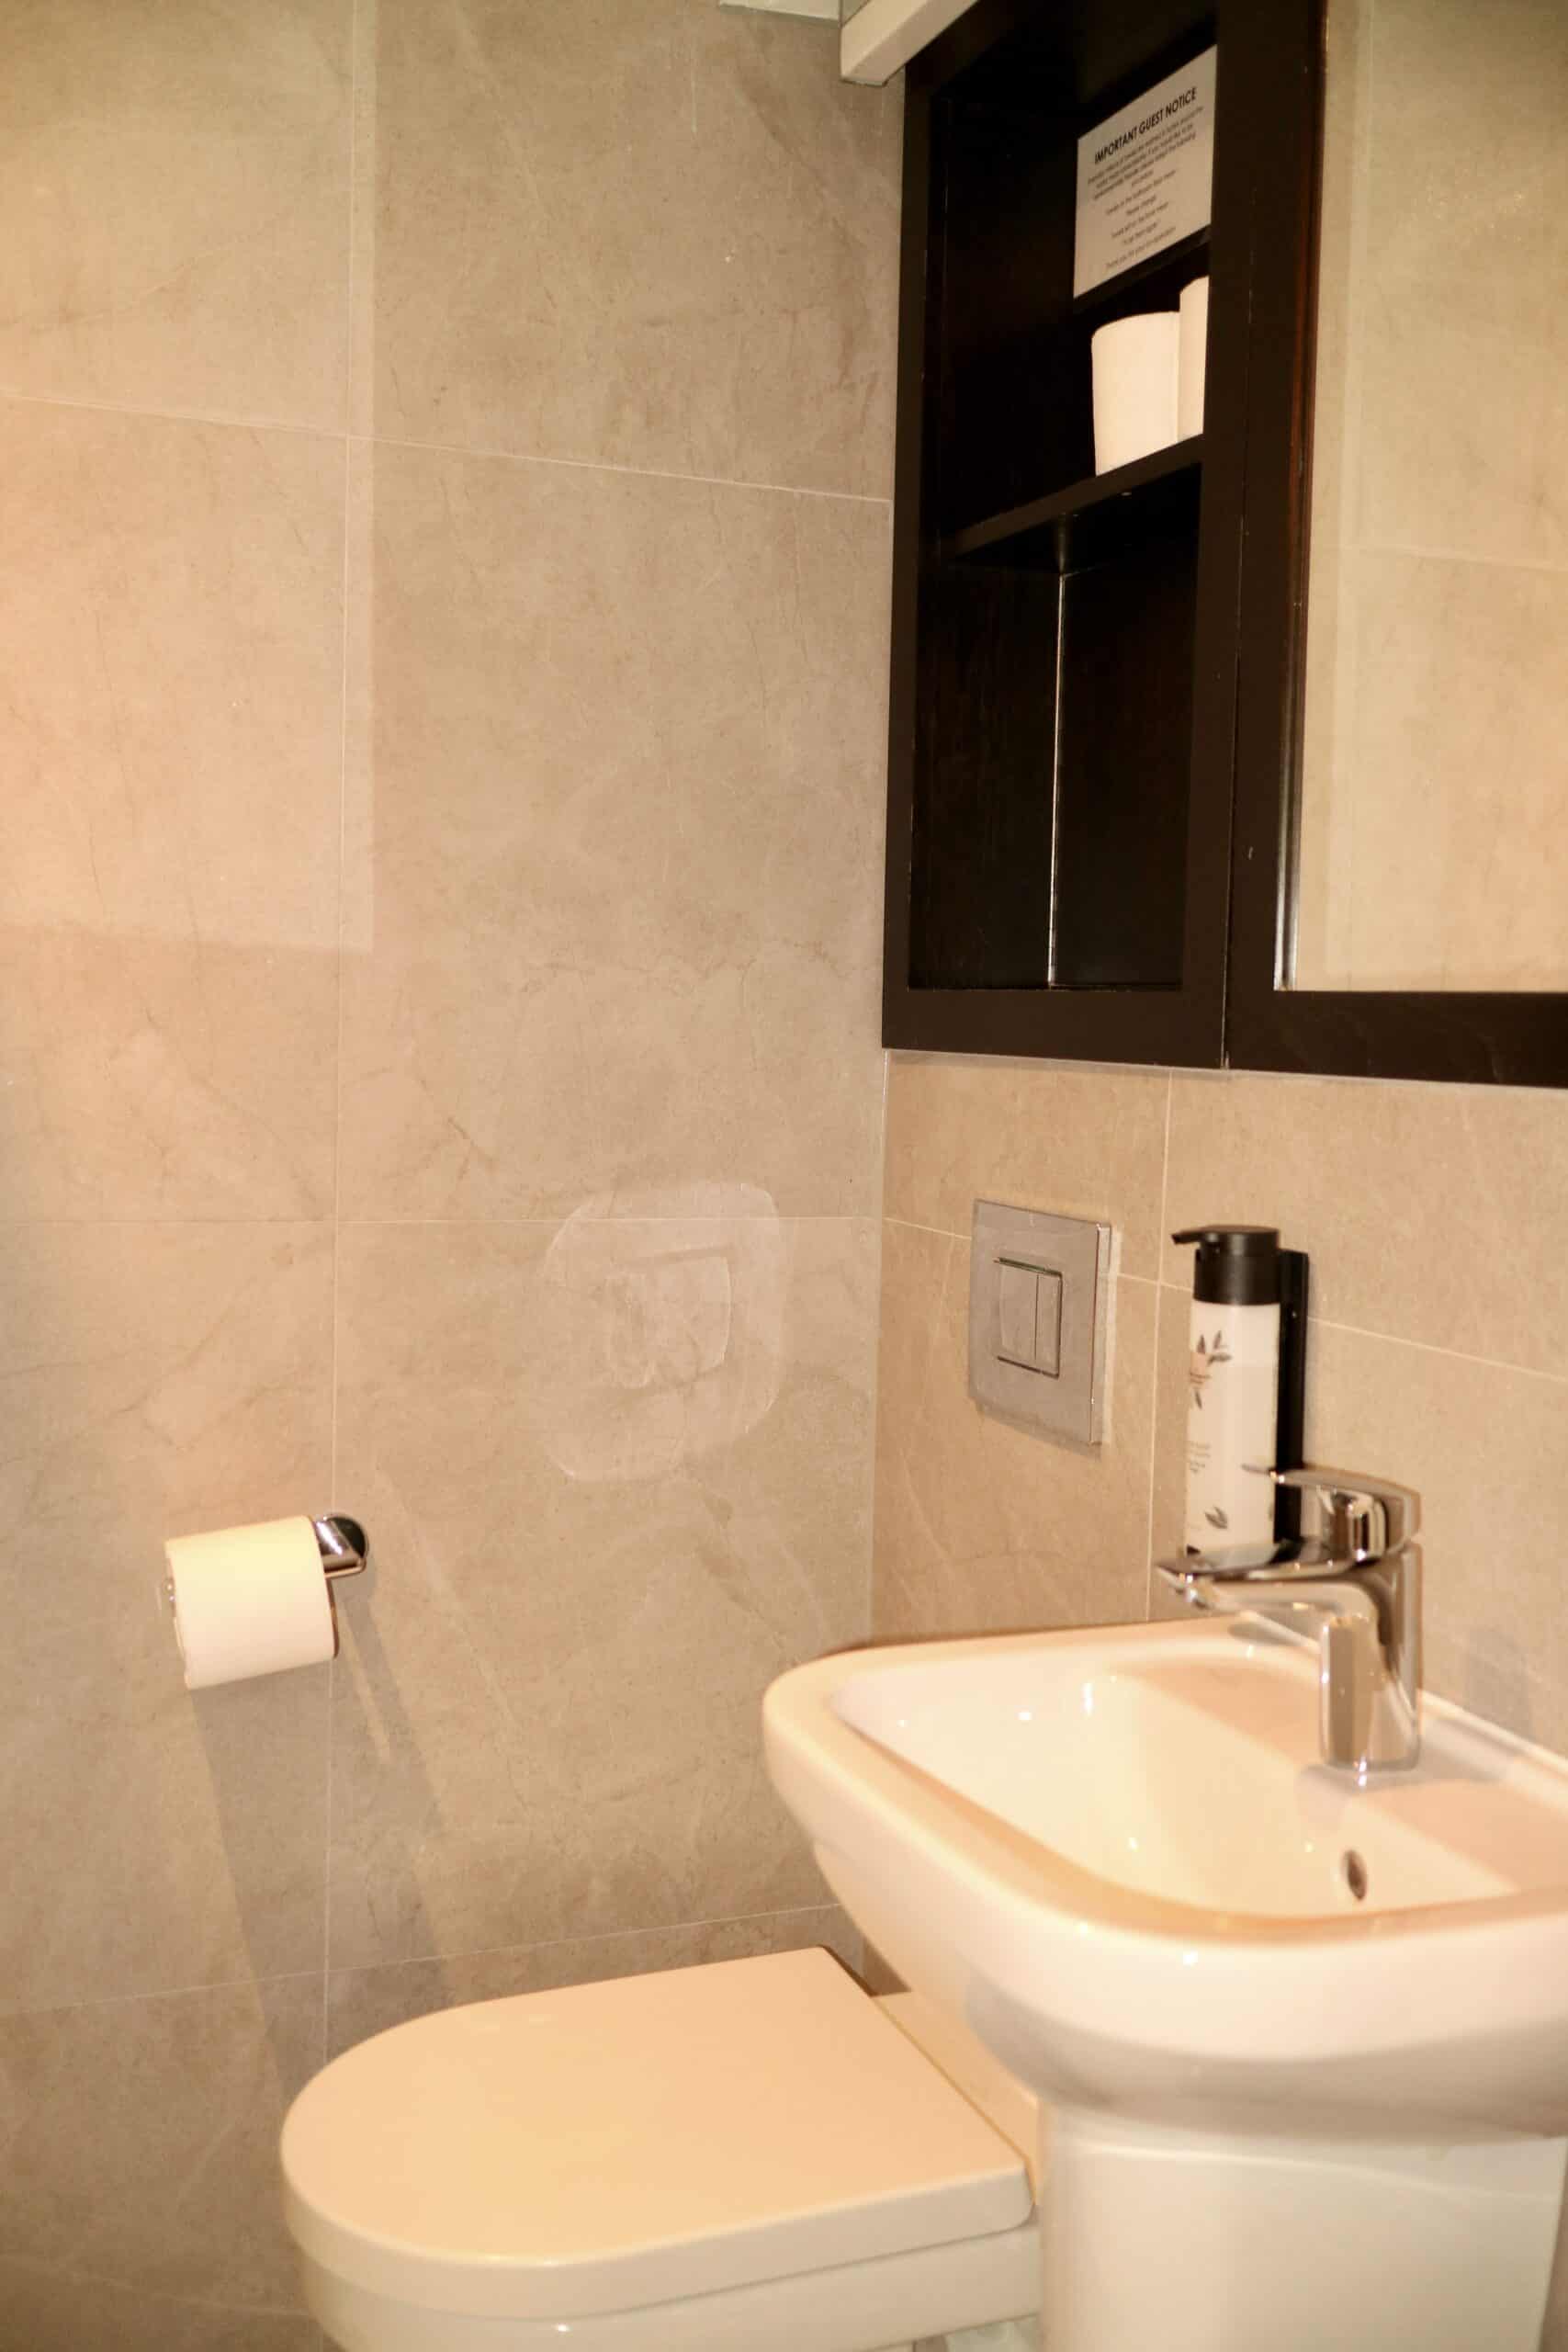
1244 1398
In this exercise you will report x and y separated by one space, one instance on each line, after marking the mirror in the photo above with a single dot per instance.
1431 824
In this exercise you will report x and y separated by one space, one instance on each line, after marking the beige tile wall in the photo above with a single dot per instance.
443 576
1437 1221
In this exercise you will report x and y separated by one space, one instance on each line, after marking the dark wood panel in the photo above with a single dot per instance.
1014 412
994 420
1090 521
1124 763
981 888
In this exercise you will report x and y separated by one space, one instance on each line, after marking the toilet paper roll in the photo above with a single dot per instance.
250 1601
1193 344
1134 364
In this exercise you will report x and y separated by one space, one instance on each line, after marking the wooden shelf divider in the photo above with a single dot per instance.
1080 499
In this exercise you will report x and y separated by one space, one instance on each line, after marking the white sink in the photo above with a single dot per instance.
1343 2008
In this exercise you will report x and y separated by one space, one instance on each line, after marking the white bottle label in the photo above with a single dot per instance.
1232 1411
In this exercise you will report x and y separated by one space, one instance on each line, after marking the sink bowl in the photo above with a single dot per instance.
1115 1857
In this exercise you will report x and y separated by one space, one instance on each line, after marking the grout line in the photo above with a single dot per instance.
163 1993
552 1224
1429 1348
344 746
1415 552
605 1936
869 1612
611 465
168 1216
242 423
1426 1347
945 1233
1153 1399
234 421
707 1219
1165 1163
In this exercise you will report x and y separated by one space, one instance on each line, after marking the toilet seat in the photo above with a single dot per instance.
624 2164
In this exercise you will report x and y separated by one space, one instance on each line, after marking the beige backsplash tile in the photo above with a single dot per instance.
175 181
363 2001
1488 1449
660 235
168 920
625 923
158 1379
618 1479
1087 1142
982 1525
1430 1213
151 2137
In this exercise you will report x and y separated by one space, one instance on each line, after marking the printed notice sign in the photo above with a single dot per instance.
1145 178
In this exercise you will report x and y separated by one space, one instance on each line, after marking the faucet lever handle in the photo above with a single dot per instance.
1363 1518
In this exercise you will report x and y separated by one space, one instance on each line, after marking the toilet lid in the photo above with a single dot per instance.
620 2145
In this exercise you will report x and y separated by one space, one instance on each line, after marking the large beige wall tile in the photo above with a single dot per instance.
1081 1142
649 232
625 831
143 2161
363 2001
153 1380
982 1525
617 1480
174 177
171 596
1488 1451
1431 1213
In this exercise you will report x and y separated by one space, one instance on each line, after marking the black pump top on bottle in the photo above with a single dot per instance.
1237 1265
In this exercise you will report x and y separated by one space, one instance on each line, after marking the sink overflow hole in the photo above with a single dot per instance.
1355 1872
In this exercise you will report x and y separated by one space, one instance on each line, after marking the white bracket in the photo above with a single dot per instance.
883 35
825 12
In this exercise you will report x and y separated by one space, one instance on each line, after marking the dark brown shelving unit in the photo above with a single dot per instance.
1064 685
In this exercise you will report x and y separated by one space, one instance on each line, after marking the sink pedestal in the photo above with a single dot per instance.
1152 2235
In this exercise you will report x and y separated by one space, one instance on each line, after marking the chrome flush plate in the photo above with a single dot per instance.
1039 1319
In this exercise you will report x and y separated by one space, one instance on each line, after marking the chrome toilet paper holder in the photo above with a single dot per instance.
344 1545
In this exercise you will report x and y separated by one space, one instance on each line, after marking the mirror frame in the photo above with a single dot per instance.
1503 1038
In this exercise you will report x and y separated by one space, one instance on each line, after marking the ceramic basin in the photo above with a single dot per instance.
1118 1852
1116 1856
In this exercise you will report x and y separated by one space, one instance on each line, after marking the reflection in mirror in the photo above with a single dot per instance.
1432 823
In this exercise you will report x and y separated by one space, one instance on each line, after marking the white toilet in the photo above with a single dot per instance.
750 2155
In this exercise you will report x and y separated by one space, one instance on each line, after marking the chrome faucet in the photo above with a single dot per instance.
1357 1582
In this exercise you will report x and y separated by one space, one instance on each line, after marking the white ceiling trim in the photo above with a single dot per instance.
825 12
884 34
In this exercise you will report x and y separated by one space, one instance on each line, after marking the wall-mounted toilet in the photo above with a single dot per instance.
753 2153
